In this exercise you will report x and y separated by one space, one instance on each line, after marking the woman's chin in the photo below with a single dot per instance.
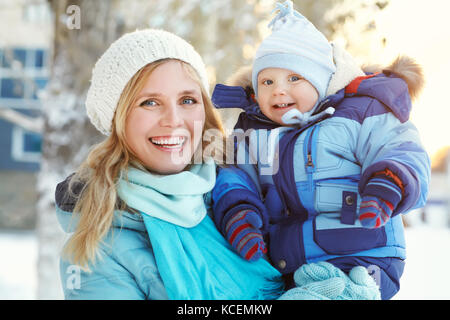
167 169
170 163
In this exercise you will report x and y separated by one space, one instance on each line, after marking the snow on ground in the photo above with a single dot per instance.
18 275
426 273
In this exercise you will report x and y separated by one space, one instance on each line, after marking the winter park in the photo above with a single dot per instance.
144 91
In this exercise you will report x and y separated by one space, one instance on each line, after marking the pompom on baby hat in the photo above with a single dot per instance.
295 44
123 59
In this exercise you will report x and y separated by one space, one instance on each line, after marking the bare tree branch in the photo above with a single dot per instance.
34 124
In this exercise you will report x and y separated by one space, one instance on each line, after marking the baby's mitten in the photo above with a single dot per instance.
380 197
242 232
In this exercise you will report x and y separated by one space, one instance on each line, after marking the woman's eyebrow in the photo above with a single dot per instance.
148 94
189 92
157 95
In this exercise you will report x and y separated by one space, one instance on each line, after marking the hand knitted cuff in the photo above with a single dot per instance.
385 185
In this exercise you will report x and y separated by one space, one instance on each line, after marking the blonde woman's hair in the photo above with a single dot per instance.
107 160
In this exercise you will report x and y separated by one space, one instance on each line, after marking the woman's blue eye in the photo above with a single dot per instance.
148 103
268 82
189 101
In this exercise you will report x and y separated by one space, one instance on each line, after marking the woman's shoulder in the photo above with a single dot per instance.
125 268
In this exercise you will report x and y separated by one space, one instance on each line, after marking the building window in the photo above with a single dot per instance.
23 73
15 55
38 85
39 59
26 146
24 58
12 88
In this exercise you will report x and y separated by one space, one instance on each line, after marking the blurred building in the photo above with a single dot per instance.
25 34
437 210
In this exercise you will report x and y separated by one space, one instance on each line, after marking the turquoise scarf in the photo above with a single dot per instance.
194 260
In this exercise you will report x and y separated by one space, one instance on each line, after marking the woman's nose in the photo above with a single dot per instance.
171 117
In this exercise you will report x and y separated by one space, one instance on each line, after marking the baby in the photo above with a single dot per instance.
351 162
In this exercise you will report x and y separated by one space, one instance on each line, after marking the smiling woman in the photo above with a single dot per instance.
139 210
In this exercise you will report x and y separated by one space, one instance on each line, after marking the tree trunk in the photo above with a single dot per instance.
67 134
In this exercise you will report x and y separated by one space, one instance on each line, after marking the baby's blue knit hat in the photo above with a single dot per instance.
295 44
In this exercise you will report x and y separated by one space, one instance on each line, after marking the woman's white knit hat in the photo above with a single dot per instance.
123 59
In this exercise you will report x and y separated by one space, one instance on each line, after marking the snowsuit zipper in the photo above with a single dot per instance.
309 166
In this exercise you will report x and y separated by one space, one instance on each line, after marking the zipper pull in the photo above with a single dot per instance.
309 163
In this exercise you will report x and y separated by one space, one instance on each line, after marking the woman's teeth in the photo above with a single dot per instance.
173 142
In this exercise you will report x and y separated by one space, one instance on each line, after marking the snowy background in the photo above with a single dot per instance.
426 273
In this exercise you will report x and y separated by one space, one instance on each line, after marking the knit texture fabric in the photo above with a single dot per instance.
295 44
242 232
323 281
374 212
123 59
382 194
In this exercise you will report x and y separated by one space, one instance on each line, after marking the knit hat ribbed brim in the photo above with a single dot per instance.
123 59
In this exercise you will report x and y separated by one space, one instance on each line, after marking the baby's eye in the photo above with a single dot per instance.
267 82
188 101
294 78
148 103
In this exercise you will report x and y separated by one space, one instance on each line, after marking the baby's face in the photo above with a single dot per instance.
280 90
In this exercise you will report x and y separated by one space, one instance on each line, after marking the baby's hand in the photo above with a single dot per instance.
381 195
374 212
242 232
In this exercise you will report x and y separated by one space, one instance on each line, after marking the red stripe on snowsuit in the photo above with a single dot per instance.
393 176
352 88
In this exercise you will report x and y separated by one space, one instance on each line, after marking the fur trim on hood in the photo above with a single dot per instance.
406 68
347 70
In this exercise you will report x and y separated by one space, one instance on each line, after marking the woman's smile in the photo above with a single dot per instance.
169 143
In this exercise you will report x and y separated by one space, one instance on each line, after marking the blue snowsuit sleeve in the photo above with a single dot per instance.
385 142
